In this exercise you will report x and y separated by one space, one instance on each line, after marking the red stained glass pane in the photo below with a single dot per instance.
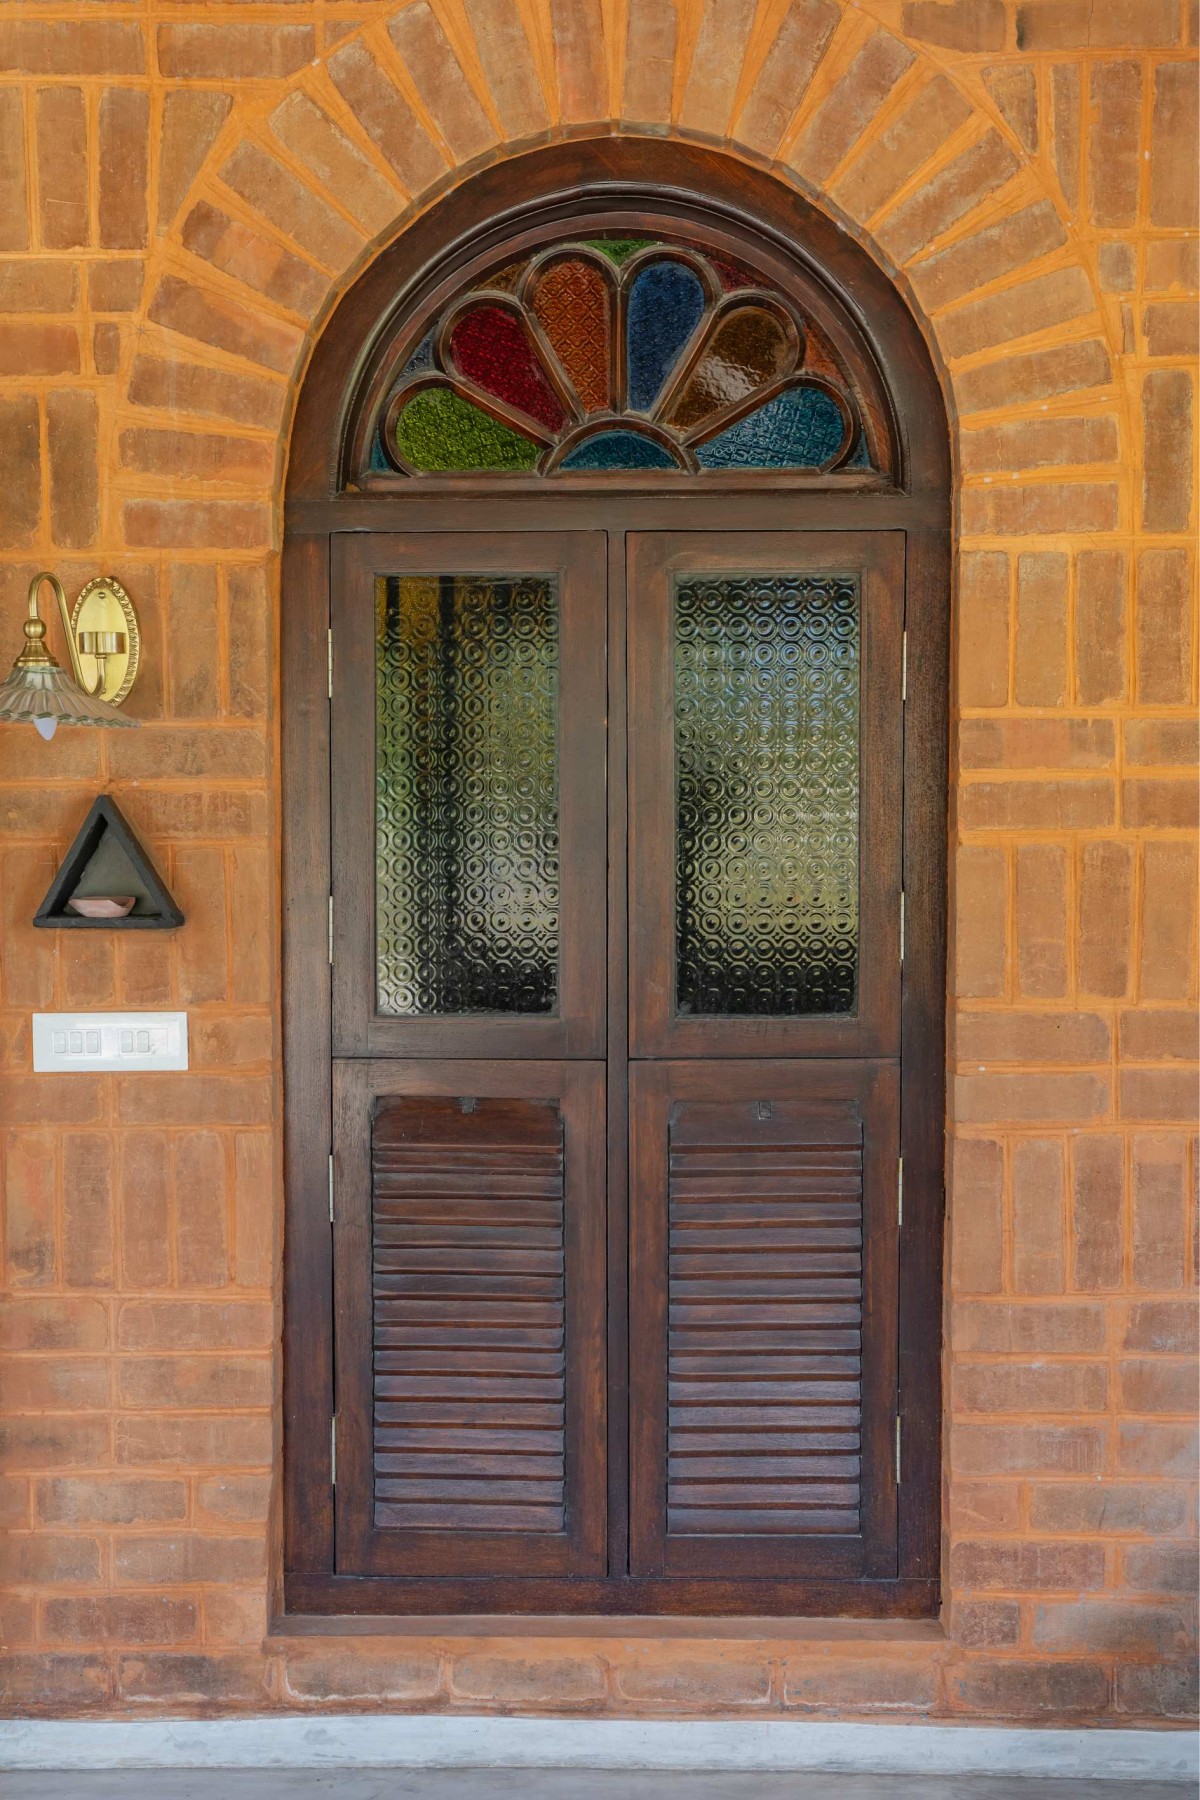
732 275
490 347
748 348
571 302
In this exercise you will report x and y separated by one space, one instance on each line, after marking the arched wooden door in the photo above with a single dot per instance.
614 939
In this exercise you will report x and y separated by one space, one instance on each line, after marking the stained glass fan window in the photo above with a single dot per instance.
620 354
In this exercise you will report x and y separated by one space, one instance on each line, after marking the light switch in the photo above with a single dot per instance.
91 1043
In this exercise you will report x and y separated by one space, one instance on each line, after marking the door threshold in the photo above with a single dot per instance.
602 1625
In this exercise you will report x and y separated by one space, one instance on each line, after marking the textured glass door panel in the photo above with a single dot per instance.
466 809
767 793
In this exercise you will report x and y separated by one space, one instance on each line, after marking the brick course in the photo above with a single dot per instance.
178 202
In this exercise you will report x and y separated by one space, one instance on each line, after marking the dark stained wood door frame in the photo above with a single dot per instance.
563 178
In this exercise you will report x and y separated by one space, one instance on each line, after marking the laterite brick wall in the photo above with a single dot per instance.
184 189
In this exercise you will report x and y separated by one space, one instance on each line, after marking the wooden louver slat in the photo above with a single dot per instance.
765 1315
469 1384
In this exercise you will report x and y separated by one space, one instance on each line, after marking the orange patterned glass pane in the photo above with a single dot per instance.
748 348
571 304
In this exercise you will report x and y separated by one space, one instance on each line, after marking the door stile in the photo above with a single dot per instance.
923 1052
618 1063
307 1076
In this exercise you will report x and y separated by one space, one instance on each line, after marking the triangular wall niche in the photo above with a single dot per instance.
106 859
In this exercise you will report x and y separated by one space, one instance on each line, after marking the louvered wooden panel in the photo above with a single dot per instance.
765 1313
469 1384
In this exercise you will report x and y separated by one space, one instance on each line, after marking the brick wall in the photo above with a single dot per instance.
182 193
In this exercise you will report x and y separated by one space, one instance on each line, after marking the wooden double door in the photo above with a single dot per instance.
617 832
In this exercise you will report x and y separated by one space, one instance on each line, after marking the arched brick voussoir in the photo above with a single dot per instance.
346 173
301 184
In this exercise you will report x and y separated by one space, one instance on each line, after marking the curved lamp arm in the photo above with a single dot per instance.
72 648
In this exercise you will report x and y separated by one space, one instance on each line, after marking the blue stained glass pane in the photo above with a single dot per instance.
618 450
666 302
379 463
421 358
860 456
799 429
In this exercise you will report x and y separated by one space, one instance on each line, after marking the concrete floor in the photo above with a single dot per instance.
567 1784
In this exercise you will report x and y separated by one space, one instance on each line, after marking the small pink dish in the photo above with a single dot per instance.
103 906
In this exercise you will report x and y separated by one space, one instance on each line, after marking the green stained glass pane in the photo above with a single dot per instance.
767 794
466 795
619 250
439 432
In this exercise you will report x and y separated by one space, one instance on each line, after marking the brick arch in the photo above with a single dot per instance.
299 183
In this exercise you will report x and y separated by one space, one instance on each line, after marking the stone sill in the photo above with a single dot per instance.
285 1630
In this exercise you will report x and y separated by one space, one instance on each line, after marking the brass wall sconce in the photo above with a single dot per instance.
104 646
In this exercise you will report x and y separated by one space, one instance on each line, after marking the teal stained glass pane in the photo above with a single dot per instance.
439 432
466 803
801 428
767 794
618 450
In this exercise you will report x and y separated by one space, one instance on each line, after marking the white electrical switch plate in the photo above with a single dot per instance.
92 1042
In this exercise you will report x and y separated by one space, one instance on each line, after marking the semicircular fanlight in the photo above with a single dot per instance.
622 354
